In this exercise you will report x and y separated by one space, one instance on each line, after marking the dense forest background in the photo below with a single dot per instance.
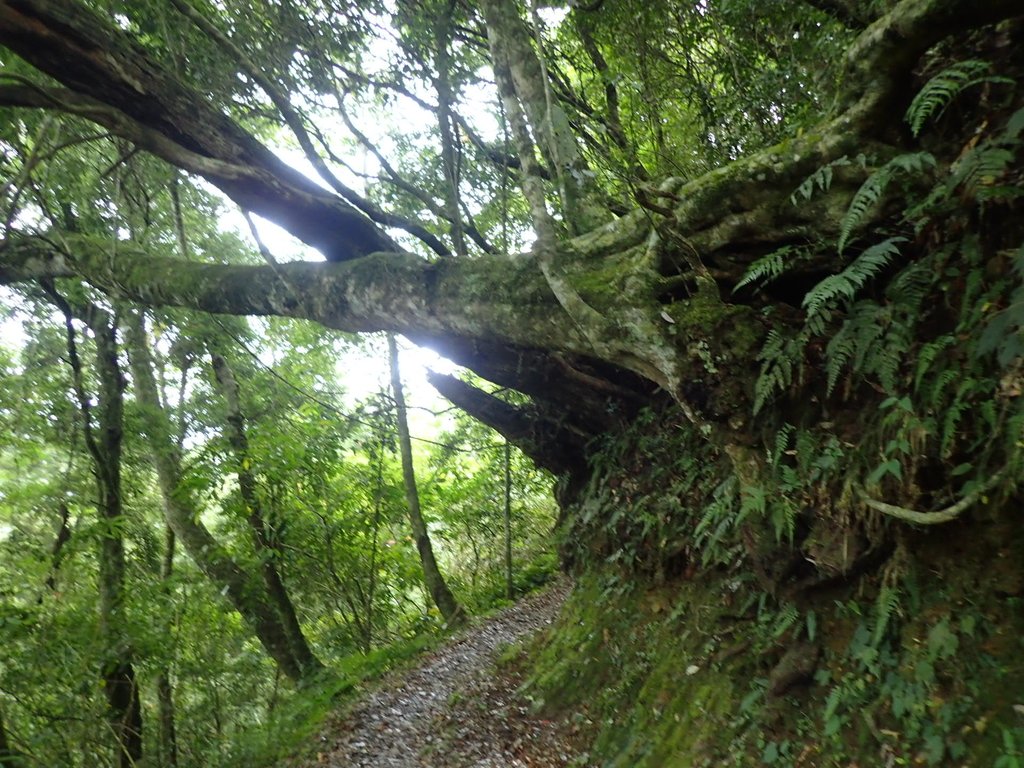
743 282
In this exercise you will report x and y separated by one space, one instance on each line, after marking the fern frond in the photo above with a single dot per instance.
782 440
927 356
820 179
852 342
938 92
846 284
934 400
982 166
962 403
779 356
888 356
765 269
871 191
909 288
886 606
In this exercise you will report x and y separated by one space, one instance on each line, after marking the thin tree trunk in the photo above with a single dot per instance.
57 550
436 586
164 688
124 710
181 510
264 538
509 587
446 128
9 758
378 503
166 711
509 40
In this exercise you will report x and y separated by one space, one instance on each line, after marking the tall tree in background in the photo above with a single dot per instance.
247 594
266 538
103 433
432 576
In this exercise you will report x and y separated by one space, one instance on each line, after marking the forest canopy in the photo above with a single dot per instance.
747 279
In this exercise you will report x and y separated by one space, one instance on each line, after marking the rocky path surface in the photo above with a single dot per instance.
453 710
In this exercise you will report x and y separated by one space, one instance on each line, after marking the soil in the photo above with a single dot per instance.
456 708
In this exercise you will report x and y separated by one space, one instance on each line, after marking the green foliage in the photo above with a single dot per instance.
330 487
844 286
938 92
1004 333
821 179
871 192
766 268
779 358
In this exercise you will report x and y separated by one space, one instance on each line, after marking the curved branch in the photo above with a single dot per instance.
939 516
297 125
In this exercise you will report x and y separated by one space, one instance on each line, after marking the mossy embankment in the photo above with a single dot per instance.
708 629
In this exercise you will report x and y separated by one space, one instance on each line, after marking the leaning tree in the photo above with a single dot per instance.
768 324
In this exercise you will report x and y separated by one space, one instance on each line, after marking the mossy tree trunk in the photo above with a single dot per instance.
646 299
588 327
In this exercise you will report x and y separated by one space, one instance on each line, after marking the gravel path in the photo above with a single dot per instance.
454 710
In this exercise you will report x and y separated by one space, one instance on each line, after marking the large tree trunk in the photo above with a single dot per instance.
266 541
246 593
432 577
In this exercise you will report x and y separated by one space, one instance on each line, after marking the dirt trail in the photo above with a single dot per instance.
451 711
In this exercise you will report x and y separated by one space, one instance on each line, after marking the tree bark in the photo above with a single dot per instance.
104 446
266 541
164 688
432 577
507 519
246 593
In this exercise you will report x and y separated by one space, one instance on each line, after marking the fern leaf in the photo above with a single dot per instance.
820 179
938 92
782 440
982 166
871 191
927 356
846 284
887 605
765 269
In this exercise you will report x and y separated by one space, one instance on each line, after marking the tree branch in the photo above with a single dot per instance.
114 81
939 516
880 60
554 446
